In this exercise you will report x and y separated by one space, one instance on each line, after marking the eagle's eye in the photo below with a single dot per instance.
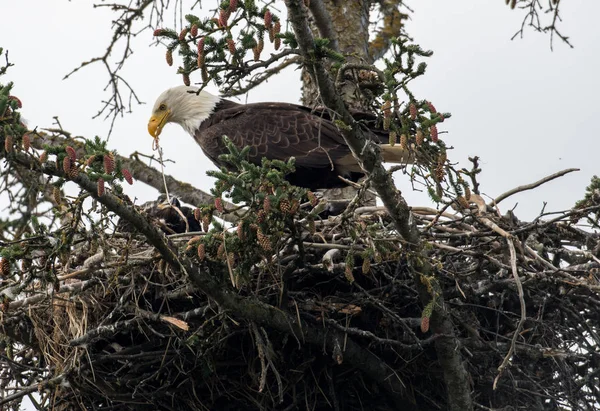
162 107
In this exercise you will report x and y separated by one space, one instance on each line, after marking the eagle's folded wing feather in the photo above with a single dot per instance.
277 132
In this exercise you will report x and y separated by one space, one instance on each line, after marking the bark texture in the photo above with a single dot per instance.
349 22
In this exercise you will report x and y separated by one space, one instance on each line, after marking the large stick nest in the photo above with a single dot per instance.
109 324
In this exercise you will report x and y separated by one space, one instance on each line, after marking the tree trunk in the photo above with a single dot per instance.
347 28
350 25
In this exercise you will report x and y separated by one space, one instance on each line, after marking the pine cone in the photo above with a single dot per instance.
223 17
240 231
387 121
109 163
127 176
413 111
197 214
71 153
43 157
194 240
267 204
100 187
294 207
4 267
366 266
261 216
271 34
420 137
263 241
66 165
434 133
268 19
392 138
186 79
284 206
169 57
431 107
348 273
205 223
404 142
194 30
26 142
387 108
201 252
231 46
8 143
260 45
219 204
312 198
57 195
233 4
73 172
424 324
182 34
90 160
277 43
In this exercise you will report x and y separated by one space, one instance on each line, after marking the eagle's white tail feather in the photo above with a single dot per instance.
395 154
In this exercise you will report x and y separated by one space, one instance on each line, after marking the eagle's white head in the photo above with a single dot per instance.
182 105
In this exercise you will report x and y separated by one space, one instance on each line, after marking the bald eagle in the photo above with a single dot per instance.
272 130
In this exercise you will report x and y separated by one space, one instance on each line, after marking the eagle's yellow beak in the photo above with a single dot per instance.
157 122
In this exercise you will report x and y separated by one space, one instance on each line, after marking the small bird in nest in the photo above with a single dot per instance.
170 216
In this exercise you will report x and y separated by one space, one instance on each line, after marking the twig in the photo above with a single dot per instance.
33 388
517 332
531 186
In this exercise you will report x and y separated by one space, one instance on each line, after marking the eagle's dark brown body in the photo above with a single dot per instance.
276 131
280 131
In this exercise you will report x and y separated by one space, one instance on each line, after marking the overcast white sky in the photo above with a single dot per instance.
525 110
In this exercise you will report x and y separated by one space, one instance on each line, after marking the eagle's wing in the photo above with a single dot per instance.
275 131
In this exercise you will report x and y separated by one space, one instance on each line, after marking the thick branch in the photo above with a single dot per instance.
140 171
324 24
